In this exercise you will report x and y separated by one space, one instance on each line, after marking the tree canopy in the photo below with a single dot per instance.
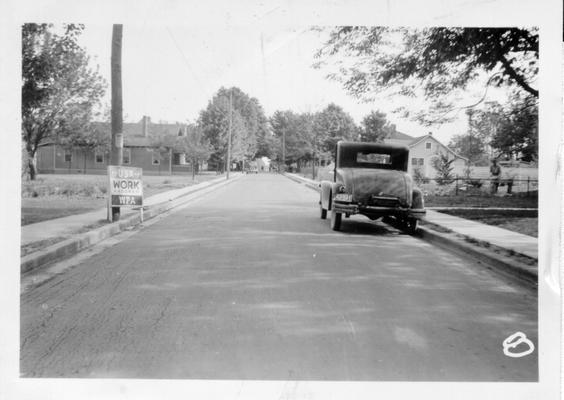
194 146
295 131
510 130
517 133
60 90
375 127
249 126
331 125
470 146
436 63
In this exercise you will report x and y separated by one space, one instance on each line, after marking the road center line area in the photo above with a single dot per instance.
249 283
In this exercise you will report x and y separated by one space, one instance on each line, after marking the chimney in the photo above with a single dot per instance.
430 133
145 125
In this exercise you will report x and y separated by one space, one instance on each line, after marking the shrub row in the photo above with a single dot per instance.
67 189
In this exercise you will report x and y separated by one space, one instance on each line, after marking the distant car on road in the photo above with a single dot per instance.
251 170
371 179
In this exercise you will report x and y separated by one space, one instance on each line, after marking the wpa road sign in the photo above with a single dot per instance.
125 186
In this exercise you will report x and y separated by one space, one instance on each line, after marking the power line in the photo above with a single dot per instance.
185 59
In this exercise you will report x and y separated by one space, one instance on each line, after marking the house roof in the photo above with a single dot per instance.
396 135
419 139
410 141
133 132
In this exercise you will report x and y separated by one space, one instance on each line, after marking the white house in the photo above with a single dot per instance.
423 149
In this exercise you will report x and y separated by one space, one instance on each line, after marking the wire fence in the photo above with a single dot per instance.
456 185
475 186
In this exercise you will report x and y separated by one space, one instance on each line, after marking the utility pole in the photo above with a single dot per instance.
314 151
284 150
116 155
229 137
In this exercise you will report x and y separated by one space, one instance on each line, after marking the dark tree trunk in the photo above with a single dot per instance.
31 166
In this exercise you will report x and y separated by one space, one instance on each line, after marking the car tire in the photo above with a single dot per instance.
336 220
411 225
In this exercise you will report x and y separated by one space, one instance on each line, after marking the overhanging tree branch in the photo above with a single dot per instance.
516 77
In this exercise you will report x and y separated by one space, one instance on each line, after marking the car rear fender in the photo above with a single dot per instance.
417 199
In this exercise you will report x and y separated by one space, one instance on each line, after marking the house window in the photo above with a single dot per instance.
156 158
417 162
68 156
179 159
421 161
99 158
428 145
127 156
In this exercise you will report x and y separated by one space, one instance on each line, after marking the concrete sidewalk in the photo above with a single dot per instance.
503 238
471 230
59 238
67 226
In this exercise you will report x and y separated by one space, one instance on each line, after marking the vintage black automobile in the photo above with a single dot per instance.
371 179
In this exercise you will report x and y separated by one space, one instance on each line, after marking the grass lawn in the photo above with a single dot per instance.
44 208
55 196
525 222
484 201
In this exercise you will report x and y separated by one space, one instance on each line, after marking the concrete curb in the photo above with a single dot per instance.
507 265
307 182
76 244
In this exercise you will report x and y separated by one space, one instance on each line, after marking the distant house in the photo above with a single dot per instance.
138 151
423 149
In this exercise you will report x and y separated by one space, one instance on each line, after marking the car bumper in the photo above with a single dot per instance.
377 211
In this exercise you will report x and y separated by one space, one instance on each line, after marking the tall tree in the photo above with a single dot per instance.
468 145
333 124
509 129
250 125
375 127
436 62
162 146
295 130
194 146
517 135
87 139
443 166
484 121
59 88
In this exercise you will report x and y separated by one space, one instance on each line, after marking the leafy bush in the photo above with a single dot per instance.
419 177
443 165
71 188
443 190
475 183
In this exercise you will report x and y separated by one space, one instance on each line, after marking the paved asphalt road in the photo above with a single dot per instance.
249 283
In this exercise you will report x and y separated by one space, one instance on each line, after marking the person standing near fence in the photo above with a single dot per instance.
495 175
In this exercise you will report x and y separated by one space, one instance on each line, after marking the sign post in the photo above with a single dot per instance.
125 187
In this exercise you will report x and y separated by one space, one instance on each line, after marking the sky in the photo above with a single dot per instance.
171 72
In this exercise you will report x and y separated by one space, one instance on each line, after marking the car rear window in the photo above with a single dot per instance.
371 155
373 158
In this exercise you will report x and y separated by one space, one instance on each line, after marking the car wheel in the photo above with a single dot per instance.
336 220
411 225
